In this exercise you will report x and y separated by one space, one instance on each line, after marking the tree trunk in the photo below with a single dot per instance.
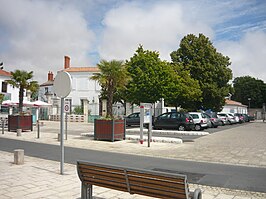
110 105
20 106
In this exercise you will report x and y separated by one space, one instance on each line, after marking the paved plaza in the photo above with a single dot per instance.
39 178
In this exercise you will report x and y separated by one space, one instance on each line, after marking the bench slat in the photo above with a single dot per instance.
156 193
107 184
103 174
162 187
156 181
160 175
93 167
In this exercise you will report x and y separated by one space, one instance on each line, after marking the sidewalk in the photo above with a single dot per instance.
39 178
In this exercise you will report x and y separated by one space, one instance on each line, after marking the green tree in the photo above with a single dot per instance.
150 77
249 87
184 90
22 80
113 77
209 67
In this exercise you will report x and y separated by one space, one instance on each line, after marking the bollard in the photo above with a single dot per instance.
3 126
19 132
59 137
38 129
18 156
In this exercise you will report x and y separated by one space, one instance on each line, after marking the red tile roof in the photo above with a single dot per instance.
232 102
5 73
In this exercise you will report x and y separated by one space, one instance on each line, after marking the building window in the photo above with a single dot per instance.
4 87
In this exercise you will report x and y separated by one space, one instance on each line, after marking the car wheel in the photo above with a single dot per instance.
181 128
197 127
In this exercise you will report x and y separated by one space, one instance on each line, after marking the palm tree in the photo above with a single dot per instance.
22 80
113 76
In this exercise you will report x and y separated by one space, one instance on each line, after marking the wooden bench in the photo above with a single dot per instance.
135 181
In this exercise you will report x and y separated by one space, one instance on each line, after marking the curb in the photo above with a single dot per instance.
168 132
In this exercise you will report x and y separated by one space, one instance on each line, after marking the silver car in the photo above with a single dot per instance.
200 120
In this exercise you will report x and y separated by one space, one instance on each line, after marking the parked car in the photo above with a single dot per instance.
234 116
133 119
215 121
246 118
200 120
209 122
224 118
240 116
230 119
174 120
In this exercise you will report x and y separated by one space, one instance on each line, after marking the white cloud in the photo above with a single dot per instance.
40 33
159 27
248 56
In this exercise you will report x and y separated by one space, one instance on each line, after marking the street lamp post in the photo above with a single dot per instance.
249 104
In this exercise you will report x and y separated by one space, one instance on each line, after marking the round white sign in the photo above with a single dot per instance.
62 84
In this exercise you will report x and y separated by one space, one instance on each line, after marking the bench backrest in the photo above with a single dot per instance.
135 181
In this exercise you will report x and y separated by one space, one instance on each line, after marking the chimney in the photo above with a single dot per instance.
50 76
67 62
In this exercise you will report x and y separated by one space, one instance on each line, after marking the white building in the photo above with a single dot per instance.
9 92
234 107
85 92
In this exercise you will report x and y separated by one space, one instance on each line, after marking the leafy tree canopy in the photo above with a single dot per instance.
150 77
199 57
23 80
249 87
113 77
184 90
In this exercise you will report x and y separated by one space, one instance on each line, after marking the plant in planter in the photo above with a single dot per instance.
22 80
113 77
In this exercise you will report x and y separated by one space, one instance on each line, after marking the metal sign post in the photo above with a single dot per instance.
62 87
145 118
141 123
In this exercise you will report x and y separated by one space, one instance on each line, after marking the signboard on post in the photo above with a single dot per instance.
145 118
62 87
67 106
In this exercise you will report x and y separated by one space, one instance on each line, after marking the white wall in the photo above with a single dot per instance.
14 92
234 109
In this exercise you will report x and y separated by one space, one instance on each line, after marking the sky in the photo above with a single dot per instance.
35 35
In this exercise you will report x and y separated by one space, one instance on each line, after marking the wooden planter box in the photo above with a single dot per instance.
23 122
109 130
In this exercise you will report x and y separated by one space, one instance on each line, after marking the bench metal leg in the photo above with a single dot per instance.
86 191
197 194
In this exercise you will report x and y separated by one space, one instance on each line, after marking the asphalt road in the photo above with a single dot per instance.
227 176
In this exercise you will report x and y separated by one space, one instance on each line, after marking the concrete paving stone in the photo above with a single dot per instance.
3 196
242 197
224 196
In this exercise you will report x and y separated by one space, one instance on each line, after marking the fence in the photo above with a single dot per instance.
70 118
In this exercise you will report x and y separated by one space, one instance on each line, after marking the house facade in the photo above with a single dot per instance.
85 92
234 107
9 92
